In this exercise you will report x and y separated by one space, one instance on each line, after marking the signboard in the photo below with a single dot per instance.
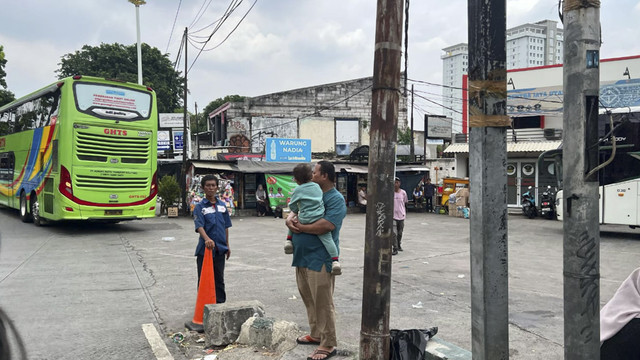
288 150
171 120
177 140
279 189
438 126
164 140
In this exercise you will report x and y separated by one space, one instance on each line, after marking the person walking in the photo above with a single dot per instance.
313 264
429 192
212 222
400 201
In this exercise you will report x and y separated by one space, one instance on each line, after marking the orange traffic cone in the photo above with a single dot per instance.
206 292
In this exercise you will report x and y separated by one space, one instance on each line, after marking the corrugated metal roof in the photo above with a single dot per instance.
512 147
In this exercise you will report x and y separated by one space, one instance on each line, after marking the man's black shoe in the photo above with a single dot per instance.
400 249
394 252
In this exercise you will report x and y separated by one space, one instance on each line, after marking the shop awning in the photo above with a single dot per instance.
268 167
512 147
221 166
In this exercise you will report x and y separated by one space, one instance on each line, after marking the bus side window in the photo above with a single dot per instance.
6 166
6 123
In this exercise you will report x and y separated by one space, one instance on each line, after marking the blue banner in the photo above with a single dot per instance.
288 150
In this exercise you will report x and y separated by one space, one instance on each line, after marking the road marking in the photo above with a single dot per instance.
157 345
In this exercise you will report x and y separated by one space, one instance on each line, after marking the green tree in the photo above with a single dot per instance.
117 61
168 190
6 96
3 62
404 136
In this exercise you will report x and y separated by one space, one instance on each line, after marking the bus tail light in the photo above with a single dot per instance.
154 185
77 77
65 183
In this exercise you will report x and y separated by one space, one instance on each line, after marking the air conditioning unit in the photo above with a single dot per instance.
553 134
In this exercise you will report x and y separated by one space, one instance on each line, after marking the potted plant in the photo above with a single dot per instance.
169 192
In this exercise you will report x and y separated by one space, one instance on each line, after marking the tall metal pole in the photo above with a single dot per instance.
488 158
184 133
581 263
386 92
137 3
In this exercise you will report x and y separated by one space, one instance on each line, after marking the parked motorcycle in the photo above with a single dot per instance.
529 204
548 203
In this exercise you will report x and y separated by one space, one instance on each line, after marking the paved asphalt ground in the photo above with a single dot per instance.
84 291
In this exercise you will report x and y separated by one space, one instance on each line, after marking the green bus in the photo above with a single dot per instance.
83 148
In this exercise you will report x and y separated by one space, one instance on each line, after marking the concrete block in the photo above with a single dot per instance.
222 322
276 335
438 349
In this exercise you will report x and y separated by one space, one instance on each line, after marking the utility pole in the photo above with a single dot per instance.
184 133
581 255
406 46
197 134
386 92
412 146
488 158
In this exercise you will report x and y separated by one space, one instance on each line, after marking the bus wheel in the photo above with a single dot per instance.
25 216
35 210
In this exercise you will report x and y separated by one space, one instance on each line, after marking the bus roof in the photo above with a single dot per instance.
620 110
53 87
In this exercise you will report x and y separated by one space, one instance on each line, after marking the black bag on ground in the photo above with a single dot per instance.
410 344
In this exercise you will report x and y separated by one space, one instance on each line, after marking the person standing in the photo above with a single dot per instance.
620 321
313 264
212 221
400 201
261 200
362 196
429 192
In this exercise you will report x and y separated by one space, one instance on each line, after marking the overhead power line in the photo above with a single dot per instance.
173 27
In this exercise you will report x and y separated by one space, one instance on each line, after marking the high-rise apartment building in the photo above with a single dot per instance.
528 45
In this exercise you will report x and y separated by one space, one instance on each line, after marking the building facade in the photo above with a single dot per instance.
336 118
528 45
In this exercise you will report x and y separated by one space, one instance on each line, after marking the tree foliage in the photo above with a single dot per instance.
168 190
404 136
6 96
3 62
117 61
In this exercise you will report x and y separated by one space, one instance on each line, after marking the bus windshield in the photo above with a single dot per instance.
112 102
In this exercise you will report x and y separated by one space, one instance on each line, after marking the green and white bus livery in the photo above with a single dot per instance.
83 148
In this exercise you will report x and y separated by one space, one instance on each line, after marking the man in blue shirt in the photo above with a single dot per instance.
313 263
212 222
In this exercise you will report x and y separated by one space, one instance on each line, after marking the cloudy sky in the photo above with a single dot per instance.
280 45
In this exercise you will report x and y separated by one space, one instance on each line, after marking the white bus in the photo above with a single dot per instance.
619 181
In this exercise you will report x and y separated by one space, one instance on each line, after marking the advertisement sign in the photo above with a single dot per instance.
172 120
164 140
279 189
177 140
288 150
